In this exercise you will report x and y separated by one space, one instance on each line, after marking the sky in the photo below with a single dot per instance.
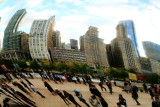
73 17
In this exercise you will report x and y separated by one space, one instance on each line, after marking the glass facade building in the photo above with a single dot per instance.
12 28
152 50
129 25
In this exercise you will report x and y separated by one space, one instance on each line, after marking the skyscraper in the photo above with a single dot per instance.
12 28
152 50
41 39
123 50
130 30
74 44
57 39
94 48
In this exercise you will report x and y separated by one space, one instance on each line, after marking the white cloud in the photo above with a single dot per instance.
33 4
72 26
34 15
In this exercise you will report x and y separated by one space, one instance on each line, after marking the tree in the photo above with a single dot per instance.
152 78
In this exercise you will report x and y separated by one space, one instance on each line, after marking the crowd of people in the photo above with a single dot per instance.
26 88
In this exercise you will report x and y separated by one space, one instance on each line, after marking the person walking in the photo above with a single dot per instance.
62 97
122 101
71 98
80 97
35 90
48 87
101 86
135 94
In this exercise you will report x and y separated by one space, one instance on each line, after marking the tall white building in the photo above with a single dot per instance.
40 40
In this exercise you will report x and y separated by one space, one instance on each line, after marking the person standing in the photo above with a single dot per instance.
150 89
102 87
80 97
109 84
48 87
62 97
71 98
145 87
122 101
135 94
156 103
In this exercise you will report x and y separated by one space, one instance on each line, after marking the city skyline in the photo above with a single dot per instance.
78 16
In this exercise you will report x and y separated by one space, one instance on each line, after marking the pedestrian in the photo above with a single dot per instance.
109 84
122 101
48 87
135 94
94 90
62 97
150 89
78 80
80 97
101 86
21 87
71 98
103 102
25 85
156 103
145 87
24 98
84 81
94 101
35 90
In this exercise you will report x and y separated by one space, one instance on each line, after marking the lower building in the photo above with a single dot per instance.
67 55
15 55
155 66
145 64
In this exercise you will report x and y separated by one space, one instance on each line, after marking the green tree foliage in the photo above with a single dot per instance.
152 78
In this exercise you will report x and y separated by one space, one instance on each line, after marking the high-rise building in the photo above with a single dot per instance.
41 39
123 50
94 48
130 30
11 29
152 50
57 39
74 44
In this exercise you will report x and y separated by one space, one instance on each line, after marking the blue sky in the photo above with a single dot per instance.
73 17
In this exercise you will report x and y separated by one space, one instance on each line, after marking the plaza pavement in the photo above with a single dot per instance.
56 101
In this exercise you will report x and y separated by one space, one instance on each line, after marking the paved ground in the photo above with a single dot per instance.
56 101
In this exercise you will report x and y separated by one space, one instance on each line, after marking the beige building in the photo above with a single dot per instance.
123 50
94 48
57 39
